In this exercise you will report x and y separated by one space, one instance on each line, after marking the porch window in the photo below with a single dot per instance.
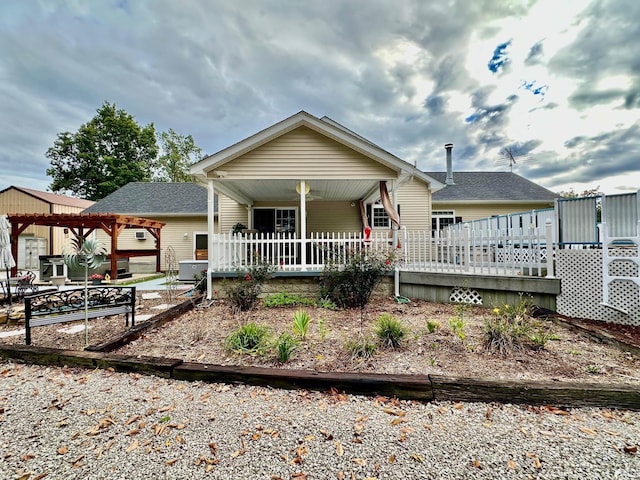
379 219
443 218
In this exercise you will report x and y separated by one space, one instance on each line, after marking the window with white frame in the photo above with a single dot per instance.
379 217
443 218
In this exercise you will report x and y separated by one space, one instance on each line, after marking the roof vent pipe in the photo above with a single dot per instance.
449 180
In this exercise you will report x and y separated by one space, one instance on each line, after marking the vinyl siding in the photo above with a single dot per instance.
333 217
305 153
229 213
172 235
415 209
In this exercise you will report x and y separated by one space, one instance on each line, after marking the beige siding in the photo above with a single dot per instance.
414 200
305 153
229 213
172 235
333 217
475 212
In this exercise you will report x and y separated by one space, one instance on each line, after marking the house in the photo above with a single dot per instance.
182 207
38 240
475 195
304 183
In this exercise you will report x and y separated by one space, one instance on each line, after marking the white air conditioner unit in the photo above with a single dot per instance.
141 234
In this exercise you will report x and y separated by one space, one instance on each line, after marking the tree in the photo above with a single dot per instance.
178 153
593 192
105 154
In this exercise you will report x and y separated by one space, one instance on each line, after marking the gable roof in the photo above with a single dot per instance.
324 126
500 187
155 199
53 198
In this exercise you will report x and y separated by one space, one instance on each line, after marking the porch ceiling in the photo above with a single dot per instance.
320 190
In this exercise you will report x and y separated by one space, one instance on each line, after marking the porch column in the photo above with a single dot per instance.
303 224
210 219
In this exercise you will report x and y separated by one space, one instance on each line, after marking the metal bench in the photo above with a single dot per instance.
69 305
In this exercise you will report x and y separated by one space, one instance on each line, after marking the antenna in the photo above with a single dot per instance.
508 154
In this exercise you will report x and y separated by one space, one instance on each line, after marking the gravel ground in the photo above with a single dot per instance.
60 423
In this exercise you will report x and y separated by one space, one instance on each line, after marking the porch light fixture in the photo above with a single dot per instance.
306 188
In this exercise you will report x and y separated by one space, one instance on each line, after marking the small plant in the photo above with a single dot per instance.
362 348
197 331
301 320
432 325
433 362
326 302
457 325
323 330
593 369
285 346
283 299
539 336
390 331
500 336
249 338
573 351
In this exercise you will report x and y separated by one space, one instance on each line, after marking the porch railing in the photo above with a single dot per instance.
517 251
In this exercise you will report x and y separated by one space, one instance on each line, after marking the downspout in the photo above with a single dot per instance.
210 219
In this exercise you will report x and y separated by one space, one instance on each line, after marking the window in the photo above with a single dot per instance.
379 217
443 218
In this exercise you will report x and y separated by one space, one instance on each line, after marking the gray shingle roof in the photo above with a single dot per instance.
157 198
488 186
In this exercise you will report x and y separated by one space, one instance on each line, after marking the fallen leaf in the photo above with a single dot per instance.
340 475
590 431
536 463
417 458
63 450
135 418
556 410
392 458
299 475
339 449
24 477
359 461
512 465
171 462
41 476
132 447
27 457
476 464
134 431
397 421
394 411
630 449
458 406
609 432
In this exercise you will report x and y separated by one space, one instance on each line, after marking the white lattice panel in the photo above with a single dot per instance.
465 295
580 272
517 255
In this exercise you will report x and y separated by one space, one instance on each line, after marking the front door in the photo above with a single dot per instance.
281 223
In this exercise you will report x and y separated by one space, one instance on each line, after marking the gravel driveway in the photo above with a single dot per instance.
59 423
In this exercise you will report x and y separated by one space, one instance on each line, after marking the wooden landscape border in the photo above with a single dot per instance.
408 387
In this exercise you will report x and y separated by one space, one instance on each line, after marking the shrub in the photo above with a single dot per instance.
301 320
283 299
327 303
390 331
285 346
362 348
501 336
249 338
244 292
432 325
349 282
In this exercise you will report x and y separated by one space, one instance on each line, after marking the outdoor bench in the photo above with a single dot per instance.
69 305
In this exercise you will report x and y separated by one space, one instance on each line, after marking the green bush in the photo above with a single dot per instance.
285 346
244 291
284 299
350 282
301 320
249 338
390 331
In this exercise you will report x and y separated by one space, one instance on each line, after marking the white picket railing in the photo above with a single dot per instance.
489 252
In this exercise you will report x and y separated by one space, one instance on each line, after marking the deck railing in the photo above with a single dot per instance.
522 251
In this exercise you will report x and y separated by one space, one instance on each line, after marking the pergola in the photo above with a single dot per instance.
82 225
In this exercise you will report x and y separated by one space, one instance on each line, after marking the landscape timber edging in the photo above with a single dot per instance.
408 387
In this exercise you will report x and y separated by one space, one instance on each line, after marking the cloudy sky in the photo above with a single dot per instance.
556 82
